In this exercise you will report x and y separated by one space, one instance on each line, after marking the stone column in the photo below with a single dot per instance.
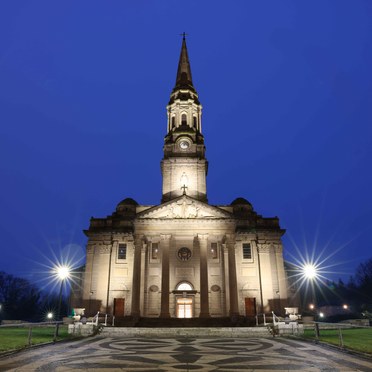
233 285
256 253
266 281
204 299
103 275
89 287
164 246
226 278
283 289
136 286
142 281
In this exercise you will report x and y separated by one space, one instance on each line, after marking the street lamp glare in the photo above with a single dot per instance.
50 315
310 271
63 272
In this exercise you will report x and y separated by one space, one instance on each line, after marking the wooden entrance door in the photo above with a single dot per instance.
184 307
119 307
250 306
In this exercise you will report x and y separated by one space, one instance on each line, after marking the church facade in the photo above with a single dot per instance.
184 258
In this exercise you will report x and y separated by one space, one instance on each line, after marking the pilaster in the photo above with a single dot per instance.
226 277
204 298
142 281
233 285
164 246
136 286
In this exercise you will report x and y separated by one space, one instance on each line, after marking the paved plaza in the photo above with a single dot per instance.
184 354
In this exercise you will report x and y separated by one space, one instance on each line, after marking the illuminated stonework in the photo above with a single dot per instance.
140 257
184 254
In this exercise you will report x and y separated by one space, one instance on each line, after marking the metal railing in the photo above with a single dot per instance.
276 319
96 319
263 317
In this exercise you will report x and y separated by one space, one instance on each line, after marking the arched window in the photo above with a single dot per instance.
184 286
183 119
173 121
194 121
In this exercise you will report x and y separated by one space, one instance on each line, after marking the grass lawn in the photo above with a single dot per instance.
16 338
358 339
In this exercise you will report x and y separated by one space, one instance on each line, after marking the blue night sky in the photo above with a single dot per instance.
286 88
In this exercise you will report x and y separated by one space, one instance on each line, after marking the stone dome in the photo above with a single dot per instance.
241 201
128 201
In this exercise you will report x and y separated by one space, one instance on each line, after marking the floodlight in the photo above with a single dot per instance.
309 271
63 272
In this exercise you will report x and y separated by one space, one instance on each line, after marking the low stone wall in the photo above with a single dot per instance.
293 328
79 329
357 322
13 322
233 332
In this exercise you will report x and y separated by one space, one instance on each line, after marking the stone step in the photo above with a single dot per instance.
171 332
184 322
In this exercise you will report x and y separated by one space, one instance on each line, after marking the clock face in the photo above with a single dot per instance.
184 145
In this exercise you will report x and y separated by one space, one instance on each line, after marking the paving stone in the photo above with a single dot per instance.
184 354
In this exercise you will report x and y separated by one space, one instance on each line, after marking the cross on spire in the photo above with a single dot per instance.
184 187
183 35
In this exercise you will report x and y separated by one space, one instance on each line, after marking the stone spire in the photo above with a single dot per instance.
184 166
184 78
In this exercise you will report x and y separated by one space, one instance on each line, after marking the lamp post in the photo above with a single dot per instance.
63 273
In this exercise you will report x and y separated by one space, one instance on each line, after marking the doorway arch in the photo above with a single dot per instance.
185 299
184 286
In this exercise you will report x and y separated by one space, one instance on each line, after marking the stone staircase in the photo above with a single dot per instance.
174 332
183 322
192 327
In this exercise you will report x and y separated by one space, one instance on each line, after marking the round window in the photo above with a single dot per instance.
184 254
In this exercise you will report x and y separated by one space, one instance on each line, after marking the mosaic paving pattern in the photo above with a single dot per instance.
183 354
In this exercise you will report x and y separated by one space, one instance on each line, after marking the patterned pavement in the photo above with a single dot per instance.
183 354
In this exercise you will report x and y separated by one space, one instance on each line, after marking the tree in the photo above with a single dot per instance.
18 297
363 279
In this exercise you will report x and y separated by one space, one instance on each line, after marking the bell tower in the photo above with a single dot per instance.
184 166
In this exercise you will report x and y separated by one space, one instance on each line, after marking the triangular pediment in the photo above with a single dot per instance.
184 207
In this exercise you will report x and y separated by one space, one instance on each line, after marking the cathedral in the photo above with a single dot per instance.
184 258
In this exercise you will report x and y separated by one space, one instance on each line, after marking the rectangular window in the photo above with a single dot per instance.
154 251
122 252
247 251
214 250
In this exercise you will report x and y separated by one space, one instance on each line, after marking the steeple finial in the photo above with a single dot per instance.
184 78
